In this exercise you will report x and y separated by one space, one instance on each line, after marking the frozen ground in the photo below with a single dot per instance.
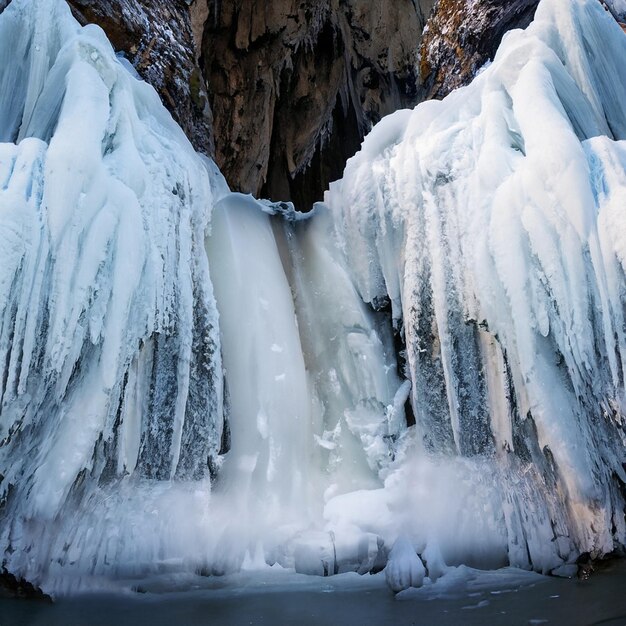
502 597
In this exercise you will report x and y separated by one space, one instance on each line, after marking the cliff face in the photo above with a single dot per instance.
460 37
156 37
295 85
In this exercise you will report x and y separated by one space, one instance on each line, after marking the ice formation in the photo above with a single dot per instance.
109 342
494 223
619 7
197 381
404 568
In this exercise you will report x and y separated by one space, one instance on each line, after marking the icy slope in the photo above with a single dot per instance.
109 350
494 222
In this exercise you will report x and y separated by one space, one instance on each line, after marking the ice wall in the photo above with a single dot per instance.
117 410
110 366
494 223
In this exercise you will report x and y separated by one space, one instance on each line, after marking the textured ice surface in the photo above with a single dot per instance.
114 410
149 427
404 568
311 380
111 375
494 222
619 6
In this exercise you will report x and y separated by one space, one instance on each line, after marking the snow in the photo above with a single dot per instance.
194 380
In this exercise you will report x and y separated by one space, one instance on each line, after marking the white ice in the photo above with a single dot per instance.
404 568
494 223
151 426
111 375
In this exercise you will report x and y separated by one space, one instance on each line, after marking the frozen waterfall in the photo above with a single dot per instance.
195 381
494 223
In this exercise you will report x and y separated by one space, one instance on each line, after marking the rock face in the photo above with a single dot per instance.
460 37
18 588
199 12
295 85
156 37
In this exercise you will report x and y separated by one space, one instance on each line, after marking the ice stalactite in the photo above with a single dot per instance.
111 375
494 222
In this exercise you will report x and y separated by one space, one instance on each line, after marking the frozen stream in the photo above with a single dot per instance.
505 597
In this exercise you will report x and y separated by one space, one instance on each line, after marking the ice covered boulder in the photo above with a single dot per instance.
404 567
328 553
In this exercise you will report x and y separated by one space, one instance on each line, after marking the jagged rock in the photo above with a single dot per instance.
157 39
13 587
295 85
460 37
199 12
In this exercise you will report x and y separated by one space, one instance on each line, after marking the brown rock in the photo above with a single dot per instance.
199 12
461 36
295 85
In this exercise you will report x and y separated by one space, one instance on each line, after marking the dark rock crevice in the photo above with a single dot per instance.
295 86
